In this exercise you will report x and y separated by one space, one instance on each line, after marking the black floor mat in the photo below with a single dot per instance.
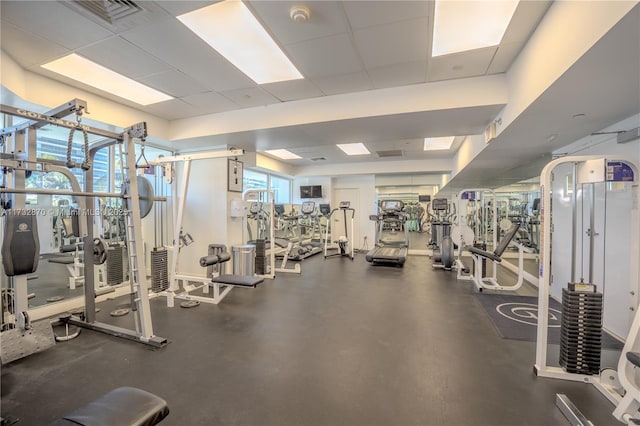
515 317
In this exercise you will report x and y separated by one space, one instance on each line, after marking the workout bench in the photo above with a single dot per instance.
123 406
220 282
74 264
478 255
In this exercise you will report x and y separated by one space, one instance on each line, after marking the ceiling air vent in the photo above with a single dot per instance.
110 11
389 153
318 159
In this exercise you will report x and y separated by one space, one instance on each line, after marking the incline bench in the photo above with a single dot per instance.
123 406
481 282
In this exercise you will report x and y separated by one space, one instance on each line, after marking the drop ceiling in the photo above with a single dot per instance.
346 47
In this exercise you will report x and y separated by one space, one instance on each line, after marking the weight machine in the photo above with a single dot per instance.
181 285
19 161
602 194
341 246
483 207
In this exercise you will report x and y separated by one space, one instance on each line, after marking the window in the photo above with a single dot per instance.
281 187
255 180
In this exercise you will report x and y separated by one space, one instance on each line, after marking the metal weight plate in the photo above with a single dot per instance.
119 312
505 224
189 304
145 191
462 233
100 250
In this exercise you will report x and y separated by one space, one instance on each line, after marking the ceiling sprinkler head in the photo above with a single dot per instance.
299 13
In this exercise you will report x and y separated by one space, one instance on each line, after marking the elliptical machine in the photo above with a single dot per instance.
441 218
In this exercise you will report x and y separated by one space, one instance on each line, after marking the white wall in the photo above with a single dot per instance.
324 181
206 211
366 186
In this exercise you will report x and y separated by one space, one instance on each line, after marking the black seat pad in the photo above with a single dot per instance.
634 358
239 280
121 406
483 253
64 260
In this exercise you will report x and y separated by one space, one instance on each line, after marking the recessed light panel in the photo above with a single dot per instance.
85 71
467 25
231 29
283 154
436 144
354 148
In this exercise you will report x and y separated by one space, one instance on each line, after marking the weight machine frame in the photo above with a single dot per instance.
25 160
541 367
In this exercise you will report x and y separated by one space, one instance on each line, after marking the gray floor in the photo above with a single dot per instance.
346 343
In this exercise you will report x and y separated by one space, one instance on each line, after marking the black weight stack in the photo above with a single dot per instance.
115 264
581 329
261 258
159 272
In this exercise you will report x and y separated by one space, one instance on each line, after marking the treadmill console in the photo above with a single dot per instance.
391 206
325 209
440 204
345 204
279 209
255 207
307 207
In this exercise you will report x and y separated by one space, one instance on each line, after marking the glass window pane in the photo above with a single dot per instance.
281 188
254 180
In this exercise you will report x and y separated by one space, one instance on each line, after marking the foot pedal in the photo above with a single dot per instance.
18 343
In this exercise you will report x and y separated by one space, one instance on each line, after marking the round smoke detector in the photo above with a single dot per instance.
299 13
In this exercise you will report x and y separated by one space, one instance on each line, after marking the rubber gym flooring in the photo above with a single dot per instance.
345 343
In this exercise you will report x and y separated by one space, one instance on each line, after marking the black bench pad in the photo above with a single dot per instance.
122 406
634 358
239 280
64 260
483 253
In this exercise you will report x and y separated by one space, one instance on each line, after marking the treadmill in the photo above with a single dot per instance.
392 235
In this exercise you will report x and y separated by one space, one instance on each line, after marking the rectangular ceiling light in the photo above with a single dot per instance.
85 71
283 154
232 30
466 25
436 144
353 148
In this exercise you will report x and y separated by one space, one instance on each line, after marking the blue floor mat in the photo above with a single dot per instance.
515 317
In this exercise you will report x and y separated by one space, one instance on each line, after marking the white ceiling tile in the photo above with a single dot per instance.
251 97
333 55
460 65
398 74
364 14
124 57
174 83
292 90
172 110
54 22
180 7
176 45
325 18
26 48
400 42
346 83
210 102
